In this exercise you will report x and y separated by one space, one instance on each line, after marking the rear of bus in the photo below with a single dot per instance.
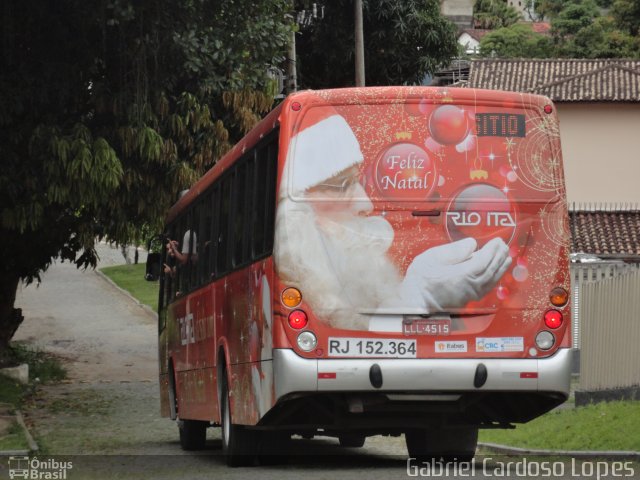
421 252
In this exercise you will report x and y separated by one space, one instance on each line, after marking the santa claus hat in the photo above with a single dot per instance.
323 146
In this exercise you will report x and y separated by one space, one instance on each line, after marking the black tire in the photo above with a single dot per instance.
274 448
193 434
352 440
450 445
173 399
239 444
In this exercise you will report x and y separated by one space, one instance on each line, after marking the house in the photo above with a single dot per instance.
460 12
598 105
470 38
608 232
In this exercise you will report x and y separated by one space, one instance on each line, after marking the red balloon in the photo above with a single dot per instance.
449 125
405 172
483 212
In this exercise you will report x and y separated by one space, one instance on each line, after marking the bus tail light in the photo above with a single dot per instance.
559 297
553 319
291 297
545 340
307 341
298 319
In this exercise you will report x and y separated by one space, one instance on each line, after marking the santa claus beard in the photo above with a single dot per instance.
338 261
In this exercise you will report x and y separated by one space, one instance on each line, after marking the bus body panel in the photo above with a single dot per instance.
242 316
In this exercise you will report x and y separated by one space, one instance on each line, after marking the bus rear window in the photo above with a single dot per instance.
424 153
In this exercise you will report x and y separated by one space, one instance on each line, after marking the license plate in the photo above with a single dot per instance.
426 327
369 347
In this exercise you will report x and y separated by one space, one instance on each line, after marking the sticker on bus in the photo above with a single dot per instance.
451 346
500 344
368 347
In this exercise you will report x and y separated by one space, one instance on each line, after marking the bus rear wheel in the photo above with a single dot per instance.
443 444
239 444
351 440
193 434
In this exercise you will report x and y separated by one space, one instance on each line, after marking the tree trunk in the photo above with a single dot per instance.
10 317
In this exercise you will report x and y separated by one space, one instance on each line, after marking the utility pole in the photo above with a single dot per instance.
292 77
359 44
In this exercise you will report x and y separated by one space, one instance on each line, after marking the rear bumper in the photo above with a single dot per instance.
293 373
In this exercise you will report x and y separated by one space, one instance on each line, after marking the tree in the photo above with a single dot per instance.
626 13
403 41
492 14
573 17
580 31
108 108
602 39
518 40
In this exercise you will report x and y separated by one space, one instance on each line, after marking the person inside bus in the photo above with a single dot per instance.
177 255
331 244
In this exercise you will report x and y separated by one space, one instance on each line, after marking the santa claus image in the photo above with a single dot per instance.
331 244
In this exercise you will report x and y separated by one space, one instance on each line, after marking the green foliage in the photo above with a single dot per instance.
43 366
108 108
627 15
14 439
11 392
403 41
603 426
578 30
494 14
573 17
602 39
518 40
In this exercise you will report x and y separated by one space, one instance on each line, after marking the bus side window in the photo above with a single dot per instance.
260 191
182 267
222 262
215 227
204 239
265 188
170 279
193 234
250 208
239 212
270 203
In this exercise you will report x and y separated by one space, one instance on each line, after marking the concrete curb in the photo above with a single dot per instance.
507 450
144 307
33 446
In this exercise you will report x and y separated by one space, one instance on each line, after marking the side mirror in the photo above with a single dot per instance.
153 268
154 259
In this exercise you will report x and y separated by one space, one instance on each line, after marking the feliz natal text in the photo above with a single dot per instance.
399 163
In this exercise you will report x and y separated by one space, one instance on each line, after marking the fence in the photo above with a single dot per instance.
606 325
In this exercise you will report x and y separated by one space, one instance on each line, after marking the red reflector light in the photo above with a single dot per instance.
528 374
296 106
298 319
548 109
553 319
326 375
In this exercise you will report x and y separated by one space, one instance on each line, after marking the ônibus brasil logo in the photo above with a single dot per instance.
33 468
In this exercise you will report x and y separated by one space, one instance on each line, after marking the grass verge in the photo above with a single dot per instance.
131 279
43 368
603 426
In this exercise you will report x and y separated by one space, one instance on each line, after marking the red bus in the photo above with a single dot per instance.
373 261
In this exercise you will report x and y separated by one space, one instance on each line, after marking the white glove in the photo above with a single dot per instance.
451 275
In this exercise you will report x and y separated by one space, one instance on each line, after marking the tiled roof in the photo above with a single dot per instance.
605 233
563 80
541 27
476 33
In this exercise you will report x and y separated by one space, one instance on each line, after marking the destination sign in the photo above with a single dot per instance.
500 125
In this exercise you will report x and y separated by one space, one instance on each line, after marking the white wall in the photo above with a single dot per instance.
601 151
